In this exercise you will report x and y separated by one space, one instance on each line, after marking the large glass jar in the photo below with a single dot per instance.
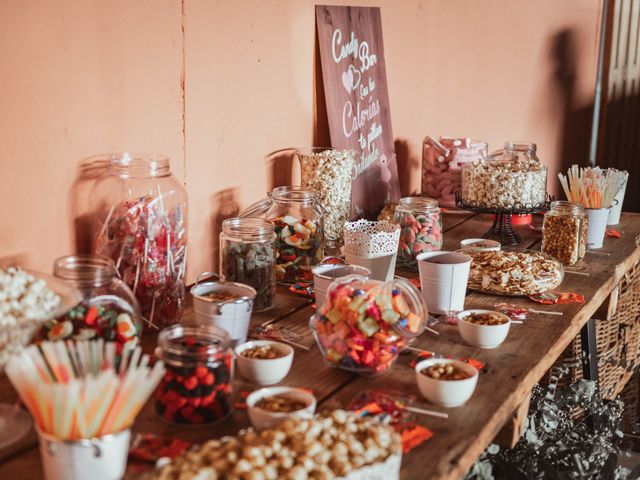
565 232
248 255
364 324
141 223
330 173
108 309
442 166
196 387
420 229
298 217
512 178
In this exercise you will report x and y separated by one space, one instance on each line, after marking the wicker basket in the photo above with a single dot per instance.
617 339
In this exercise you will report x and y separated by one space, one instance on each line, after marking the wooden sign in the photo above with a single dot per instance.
355 87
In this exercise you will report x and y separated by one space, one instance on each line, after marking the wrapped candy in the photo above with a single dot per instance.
149 247
364 324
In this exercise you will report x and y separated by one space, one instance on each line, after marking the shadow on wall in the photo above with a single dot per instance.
576 119
80 201
408 166
225 205
14 260
280 166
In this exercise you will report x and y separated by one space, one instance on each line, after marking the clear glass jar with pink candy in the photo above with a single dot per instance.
141 224
420 229
442 162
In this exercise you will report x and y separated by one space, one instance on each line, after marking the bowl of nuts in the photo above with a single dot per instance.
264 362
446 382
270 406
483 328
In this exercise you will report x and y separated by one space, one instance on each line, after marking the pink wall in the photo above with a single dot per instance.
82 77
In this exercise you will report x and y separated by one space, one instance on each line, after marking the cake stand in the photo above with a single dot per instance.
502 229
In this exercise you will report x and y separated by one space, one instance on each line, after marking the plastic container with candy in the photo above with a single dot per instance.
364 324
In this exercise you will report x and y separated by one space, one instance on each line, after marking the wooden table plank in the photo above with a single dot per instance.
510 372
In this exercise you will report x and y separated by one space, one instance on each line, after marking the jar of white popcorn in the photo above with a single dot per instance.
330 173
512 178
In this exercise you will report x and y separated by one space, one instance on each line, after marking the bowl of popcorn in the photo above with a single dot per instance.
446 382
483 328
270 406
264 362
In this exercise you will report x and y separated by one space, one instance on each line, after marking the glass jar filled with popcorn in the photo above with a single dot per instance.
512 178
329 172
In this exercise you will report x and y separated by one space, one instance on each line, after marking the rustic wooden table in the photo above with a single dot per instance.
511 370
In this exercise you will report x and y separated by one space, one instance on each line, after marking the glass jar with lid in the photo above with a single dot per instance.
248 255
364 324
298 218
108 309
512 178
420 229
196 387
565 232
141 224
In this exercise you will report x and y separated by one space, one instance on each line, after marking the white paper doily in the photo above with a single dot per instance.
365 237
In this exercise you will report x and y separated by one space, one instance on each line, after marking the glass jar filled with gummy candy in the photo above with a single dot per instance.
141 224
420 229
108 309
298 218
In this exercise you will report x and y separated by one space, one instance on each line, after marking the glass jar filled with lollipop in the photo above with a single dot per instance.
141 224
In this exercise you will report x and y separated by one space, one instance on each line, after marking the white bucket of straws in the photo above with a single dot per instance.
83 400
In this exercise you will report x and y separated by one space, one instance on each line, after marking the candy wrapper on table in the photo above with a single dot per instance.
364 324
141 212
441 166
372 245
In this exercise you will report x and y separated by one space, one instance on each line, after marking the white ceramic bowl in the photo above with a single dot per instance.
261 419
264 371
446 393
482 336
480 245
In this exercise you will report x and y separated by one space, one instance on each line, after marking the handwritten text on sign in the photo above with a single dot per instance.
357 100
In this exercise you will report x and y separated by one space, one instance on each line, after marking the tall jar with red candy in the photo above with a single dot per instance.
364 324
196 387
141 223
108 309
298 217
420 229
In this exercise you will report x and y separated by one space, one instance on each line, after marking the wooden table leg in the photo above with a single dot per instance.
589 349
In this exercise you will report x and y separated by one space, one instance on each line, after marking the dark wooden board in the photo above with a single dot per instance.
357 99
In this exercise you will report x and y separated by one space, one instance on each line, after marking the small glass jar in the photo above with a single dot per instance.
565 232
108 309
420 229
298 217
364 324
196 387
141 223
248 255
330 173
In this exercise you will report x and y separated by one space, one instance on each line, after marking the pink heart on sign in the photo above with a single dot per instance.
347 80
